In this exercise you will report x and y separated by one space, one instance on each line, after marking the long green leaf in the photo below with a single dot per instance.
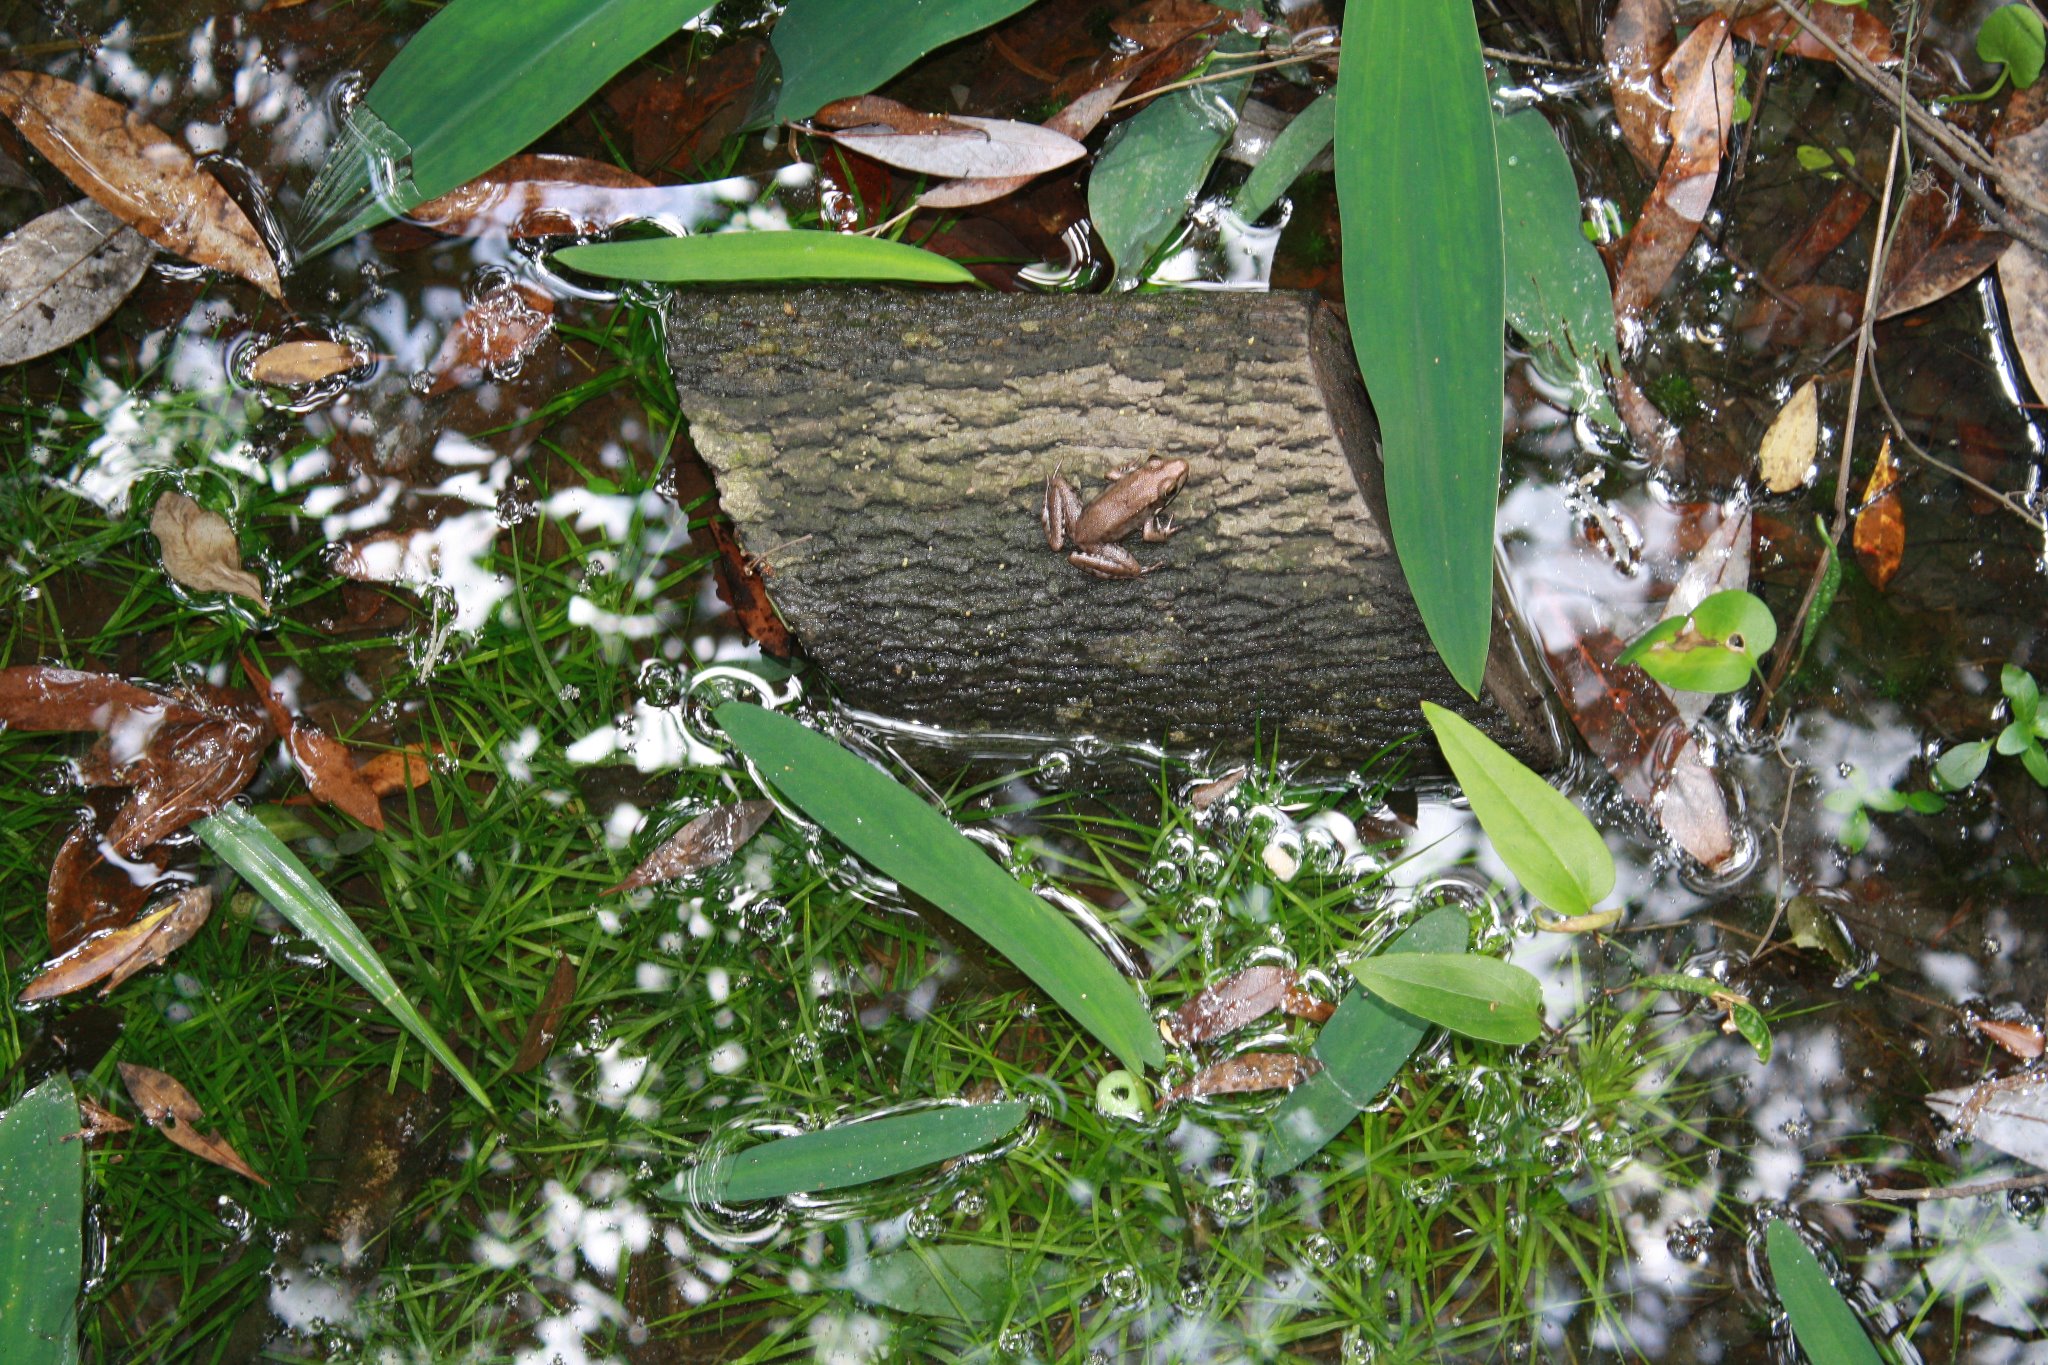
1558 296
904 838
1154 164
830 49
1299 143
1480 997
1364 1044
1550 846
1827 1328
478 83
855 1153
755 257
1424 289
951 1280
243 843
42 1226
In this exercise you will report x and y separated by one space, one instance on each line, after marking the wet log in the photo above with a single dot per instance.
885 454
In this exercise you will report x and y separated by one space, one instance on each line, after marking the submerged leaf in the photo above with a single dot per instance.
1231 1003
42 1226
1879 534
972 1284
1701 77
172 1111
494 336
200 550
120 953
1827 1329
2009 1115
546 1024
88 892
1245 1073
131 167
709 839
63 275
38 697
1638 41
2021 1040
981 148
1480 997
1787 455
324 761
547 195
856 1153
292 363
186 772
756 257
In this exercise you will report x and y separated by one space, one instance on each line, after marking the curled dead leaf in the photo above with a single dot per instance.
118 954
709 839
1230 1004
1208 794
141 174
95 1122
171 1110
185 773
324 761
1246 1072
494 335
2021 1040
1880 528
200 550
88 893
1786 457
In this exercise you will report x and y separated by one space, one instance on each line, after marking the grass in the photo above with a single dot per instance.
786 987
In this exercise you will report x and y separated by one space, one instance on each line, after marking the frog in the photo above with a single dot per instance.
1135 500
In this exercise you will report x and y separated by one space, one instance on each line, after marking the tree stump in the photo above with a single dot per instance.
885 454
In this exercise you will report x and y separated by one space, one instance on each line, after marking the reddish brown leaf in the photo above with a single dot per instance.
1208 794
34 697
118 954
1804 315
87 893
1854 27
1302 1005
138 173
2021 1040
1828 227
675 118
186 772
740 584
494 335
1942 245
172 1111
397 770
544 195
324 761
1230 1004
706 841
1639 41
879 112
1248 1071
1880 529
1159 24
1701 78
95 1123
546 1023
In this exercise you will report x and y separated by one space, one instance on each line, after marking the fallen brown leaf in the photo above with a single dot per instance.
1076 121
1787 454
172 1111
293 363
324 761
1854 27
1248 1071
2021 1040
200 550
186 772
138 172
1942 244
880 112
494 336
1230 1004
87 893
397 770
709 839
1640 39
1208 794
62 275
120 953
1828 227
95 1123
546 1024
1701 78
1302 1005
38 697
740 583
1880 530
545 195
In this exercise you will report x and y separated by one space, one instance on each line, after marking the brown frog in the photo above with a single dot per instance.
1135 500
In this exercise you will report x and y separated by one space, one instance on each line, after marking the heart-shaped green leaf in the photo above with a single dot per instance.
1713 648
2013 36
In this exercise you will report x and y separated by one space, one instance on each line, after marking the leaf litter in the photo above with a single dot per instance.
171 1110
706 841
200 549
117 954
324 761
64 274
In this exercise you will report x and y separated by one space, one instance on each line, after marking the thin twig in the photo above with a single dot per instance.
2011 502
1211 77
1501 54
2018 1182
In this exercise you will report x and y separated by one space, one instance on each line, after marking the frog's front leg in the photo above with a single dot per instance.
1110 561
1159 526
1060 510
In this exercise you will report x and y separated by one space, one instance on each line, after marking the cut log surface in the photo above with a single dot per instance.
886 455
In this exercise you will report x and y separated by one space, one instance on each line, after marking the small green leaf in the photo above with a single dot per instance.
1962 765
1843 800
905 839
1885 801
951 1280
759 257
42 1226
2012 36
856 1153
1480 997
1824 596
1299 143
1856 831
830 49
243 843
1551 847
1925 803
2022 691
1750 1025
1826 1327
2014 739
1714 648
2035 761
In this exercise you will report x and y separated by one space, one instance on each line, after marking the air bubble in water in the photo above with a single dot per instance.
1124 1286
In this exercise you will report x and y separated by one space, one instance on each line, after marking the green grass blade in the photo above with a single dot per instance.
1424 287
42 1226
855 1153
1545 840
1827 1328
904 838
1361 1048
830 49
1480 997
245 844
1299 143
479 82
755 257
952 1280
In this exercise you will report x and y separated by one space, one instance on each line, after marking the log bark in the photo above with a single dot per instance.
886 454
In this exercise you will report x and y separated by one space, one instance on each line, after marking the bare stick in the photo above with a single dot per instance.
2018 1182
2011 502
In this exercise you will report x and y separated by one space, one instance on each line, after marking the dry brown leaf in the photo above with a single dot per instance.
879 112
64 274
1208 794
87 893
36 697
397 770
1880 532
1640 39
95 1123
740 583
1701 78
1076 121
1230 1004
1303 1005
1827 228
1248 1071
324 761
546 1024
120 953
200 549
709 839
1786 457
1854 27
547 195
134 169
186 773
494 335
1943 243
172 1111
303 362
2021 1040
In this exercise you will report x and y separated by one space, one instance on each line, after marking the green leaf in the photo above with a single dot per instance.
1480 997
2013 37
1154 163
1962 765
855 1153
1925 803
755 257
1299 143
1824 596
1425 292
2022 691
479 82
1713 648
951 1280
1885 801
1558 297
830 49
906 839
1826 1327
2013 739
1855 831
2035 760
1361 1048
42 1226
243 843
1551 847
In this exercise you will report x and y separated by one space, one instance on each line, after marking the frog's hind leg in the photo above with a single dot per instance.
1060 510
